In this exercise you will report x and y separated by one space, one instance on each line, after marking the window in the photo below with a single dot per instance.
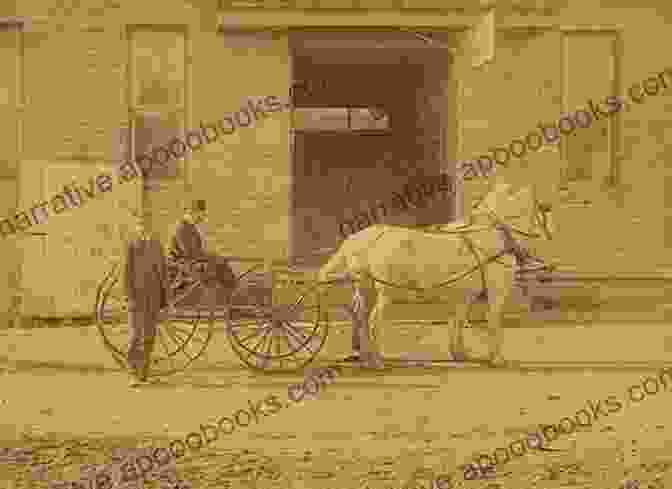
11 94
157 100
592 65
353 120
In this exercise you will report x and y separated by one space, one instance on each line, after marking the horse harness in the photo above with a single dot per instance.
480 264
511 247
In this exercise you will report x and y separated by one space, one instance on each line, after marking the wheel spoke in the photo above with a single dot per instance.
172 338
248 352
263 338
309 340
277 347
175 330
295 335
178 344
270 344
265 358
255 333
168 358
289 345
184 352
196 338
163 342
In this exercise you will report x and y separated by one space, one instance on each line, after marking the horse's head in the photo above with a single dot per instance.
526 216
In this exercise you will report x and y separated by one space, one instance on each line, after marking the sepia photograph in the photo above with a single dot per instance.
436 228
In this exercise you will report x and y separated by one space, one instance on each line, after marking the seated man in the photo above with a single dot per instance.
189 243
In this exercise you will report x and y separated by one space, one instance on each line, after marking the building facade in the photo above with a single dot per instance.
93 82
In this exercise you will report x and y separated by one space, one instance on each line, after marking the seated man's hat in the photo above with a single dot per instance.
198 205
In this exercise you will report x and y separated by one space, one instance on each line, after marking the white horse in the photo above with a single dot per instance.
456 263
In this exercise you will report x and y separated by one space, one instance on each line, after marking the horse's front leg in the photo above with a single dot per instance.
458 350
498 291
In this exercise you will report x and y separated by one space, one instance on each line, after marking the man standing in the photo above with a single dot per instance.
145 282
189 243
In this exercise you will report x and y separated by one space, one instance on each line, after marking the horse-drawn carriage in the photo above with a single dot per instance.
264 333
274 328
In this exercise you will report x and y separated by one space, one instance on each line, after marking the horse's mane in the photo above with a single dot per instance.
504 200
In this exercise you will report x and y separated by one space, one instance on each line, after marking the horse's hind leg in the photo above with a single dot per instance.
359 312
370 352
457 349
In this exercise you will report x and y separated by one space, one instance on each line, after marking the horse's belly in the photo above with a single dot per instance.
423 268
433 283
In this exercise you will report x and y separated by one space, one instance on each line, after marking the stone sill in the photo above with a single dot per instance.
564 275
285 5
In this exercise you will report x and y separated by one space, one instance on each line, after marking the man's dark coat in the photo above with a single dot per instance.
145 275
145 285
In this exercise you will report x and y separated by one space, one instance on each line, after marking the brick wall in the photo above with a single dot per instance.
72 126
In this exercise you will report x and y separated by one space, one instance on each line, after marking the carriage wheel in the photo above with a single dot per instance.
280 338
183 330
111 312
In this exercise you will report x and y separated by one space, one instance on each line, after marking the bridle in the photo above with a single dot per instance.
540 219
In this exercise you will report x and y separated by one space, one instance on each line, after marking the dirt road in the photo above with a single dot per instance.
367 429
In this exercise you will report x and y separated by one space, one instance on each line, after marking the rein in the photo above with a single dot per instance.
480 265
539 219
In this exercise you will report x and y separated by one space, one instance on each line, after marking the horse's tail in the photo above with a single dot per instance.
336 264
352 255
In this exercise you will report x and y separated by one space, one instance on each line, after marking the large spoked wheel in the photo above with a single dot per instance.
277 338
184 327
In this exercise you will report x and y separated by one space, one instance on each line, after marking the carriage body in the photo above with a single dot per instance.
272 316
